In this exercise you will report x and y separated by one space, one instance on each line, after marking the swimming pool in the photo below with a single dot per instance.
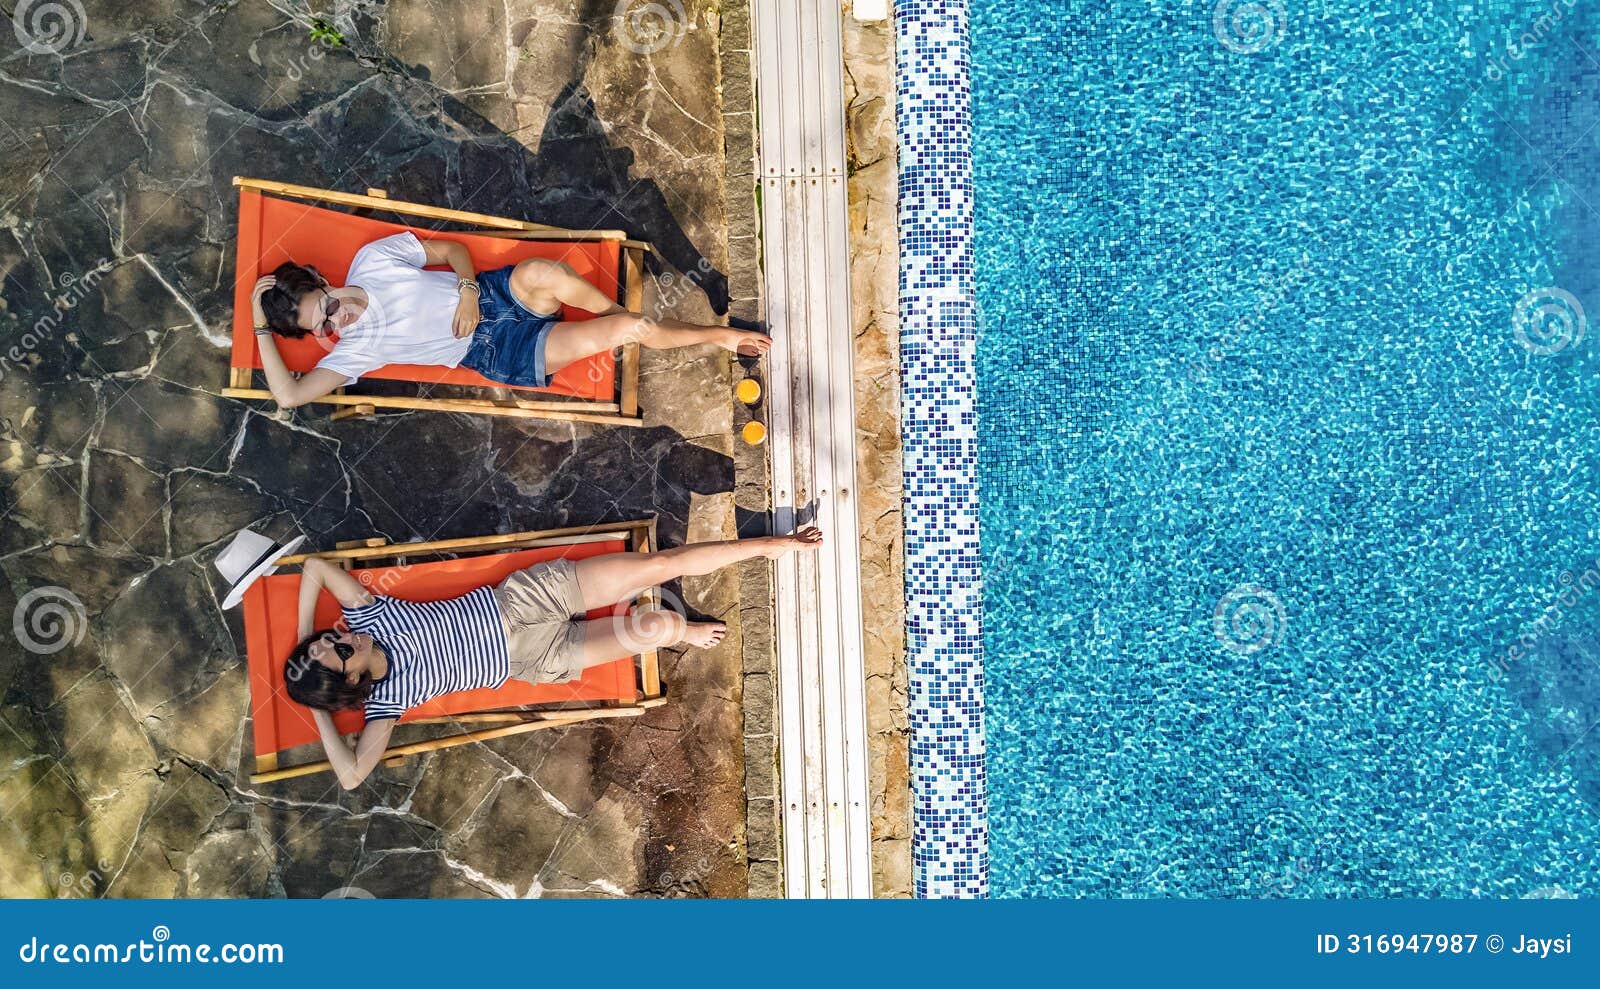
1288 428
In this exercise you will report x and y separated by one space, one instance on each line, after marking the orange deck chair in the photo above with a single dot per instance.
274 228
625 688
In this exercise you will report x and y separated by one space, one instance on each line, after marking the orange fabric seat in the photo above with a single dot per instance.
274 230
271 619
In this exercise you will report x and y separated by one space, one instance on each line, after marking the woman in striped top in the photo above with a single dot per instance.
388 655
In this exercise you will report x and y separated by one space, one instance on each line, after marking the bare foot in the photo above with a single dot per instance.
807 539
704 635
744 343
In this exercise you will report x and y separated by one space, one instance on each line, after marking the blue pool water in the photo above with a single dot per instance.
1287 439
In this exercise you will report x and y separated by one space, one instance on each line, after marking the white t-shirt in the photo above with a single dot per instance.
409 311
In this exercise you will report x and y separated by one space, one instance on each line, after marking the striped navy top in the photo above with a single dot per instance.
434 647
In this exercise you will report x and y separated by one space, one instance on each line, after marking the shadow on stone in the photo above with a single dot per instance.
129 470
1558 685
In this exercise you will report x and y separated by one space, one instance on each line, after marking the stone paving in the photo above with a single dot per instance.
123 732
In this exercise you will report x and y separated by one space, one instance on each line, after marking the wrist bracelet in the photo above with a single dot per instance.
462 284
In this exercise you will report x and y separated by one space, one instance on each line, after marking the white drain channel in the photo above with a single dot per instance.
811 422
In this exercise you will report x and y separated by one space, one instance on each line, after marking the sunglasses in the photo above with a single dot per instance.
330 307
343 650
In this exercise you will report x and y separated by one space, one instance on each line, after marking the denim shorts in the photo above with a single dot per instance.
508 345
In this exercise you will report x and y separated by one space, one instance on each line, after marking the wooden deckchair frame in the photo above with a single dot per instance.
640 537
630 274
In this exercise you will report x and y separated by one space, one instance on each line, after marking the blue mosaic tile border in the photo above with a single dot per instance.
938 423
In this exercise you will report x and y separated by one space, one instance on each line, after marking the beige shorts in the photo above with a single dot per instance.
543 609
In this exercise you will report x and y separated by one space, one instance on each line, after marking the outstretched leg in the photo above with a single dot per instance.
606 640
546 286
574 340
616 577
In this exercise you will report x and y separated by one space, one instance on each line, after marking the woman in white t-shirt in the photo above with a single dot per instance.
505 324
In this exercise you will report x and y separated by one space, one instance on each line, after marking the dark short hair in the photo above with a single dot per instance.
281 303
315 685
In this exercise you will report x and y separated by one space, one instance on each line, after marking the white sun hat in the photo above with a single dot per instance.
249 556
